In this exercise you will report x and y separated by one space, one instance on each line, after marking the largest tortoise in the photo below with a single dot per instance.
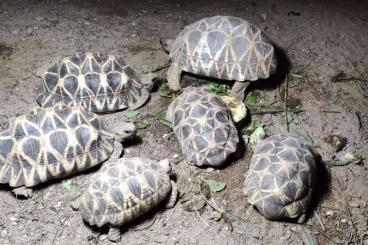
50 143
95 81
222 47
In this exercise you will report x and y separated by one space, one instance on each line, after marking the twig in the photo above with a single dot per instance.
285 102
324 234
220 210
199 216
277 111
344 162
359 120
356 233
319 220
327 111
158 68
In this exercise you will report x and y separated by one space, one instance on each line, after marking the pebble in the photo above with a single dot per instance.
354 204
39 18
4 233
329 213
294 228
264 16
343 221
210 170
175 156
13 219
15 32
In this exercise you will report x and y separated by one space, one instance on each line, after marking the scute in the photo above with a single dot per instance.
204 129
285 179
50 147
224 47
95 81
126 198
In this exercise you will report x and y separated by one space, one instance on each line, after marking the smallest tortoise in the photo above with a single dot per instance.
281 177
124 190
203 126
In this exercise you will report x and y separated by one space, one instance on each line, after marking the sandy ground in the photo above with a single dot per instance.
320 40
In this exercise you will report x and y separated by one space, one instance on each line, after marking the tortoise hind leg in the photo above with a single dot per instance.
173 197
23 192
238 89
173 77
114 234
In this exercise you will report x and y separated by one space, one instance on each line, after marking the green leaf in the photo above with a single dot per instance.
219 89
216 215
161 117
67 184
130 114
257 136
141 125
250 99
214 185
165 90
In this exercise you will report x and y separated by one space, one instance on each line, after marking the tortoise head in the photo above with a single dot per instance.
165 165
124 131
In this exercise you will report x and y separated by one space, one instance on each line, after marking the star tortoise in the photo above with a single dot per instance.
281 177
55 142
222 47
98 82
203 126
125 189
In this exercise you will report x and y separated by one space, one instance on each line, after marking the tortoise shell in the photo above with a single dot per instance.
281 177
224 47
124 190
51 143
98 82
203 126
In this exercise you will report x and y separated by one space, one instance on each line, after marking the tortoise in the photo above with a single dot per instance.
281 177
222 47
203 126
96 81
125 189
55 142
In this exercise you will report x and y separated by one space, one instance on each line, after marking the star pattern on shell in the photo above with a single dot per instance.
51 143
98 82
281 177
224 47
203 126
124 190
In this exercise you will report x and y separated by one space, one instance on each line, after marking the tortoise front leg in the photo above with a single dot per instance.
114 234
173 197
238 89
173 77
23 192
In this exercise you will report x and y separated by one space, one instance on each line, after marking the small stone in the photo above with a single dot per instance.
39 18
354 204
4 233
15 32
134 23
294 228
175 156
264 16
13 219
210 170
343 221
329 213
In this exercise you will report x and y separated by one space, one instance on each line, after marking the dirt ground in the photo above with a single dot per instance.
320 40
